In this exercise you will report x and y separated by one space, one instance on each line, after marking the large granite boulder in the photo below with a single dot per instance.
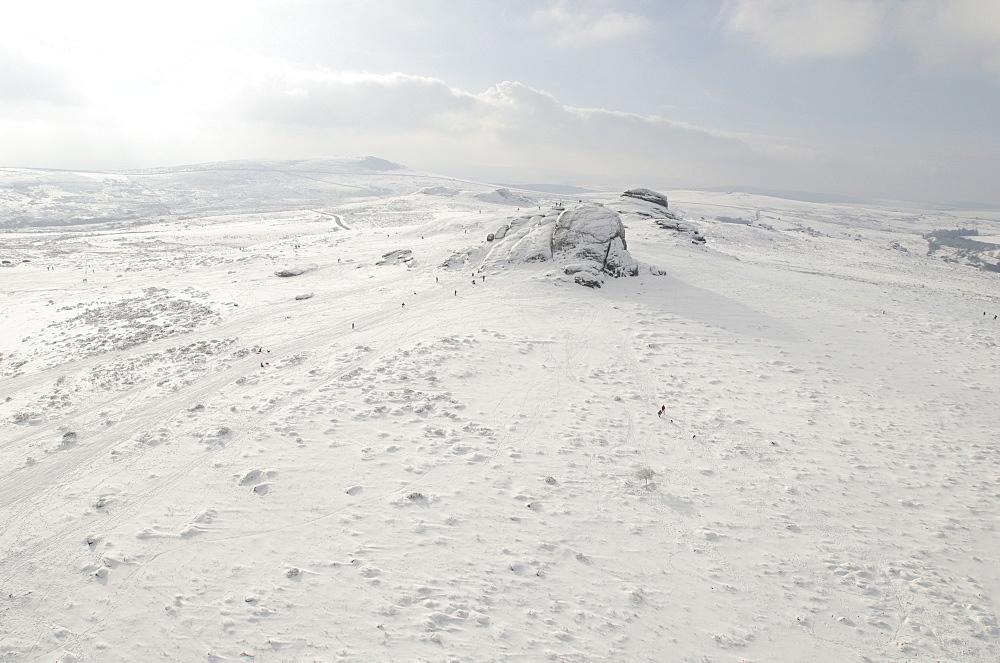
595 234
587 241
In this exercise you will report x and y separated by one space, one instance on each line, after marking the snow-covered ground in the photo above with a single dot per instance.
202 463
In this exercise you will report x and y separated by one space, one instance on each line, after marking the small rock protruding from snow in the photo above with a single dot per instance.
500 233
294 271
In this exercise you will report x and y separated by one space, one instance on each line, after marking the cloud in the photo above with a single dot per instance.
793 29
953 32
327 99
520 113
24 80
510 127
510 111
509 132
581 26
513 132
940 33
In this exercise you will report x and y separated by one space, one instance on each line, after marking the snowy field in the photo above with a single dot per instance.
204 461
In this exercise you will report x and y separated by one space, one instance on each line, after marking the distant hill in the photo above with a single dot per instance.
803 196
38 197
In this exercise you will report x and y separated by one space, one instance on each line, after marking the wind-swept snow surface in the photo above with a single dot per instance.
199 464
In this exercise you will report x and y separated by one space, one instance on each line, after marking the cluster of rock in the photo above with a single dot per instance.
588 240
958 246
648 195
652 205
397 257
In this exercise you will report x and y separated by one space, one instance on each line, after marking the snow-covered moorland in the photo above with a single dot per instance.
284 411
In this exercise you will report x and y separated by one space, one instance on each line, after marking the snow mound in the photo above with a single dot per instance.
374 163
440 191
588 240
504 196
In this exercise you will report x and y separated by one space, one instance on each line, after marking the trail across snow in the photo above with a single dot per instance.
199 466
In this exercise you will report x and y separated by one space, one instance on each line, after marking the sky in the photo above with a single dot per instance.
884 99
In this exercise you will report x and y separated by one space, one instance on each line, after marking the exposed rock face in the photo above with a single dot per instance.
399 256
957 246
595 234
648 195
648 204
588 240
